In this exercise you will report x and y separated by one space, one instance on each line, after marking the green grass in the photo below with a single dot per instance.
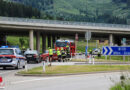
76 69
120 87
119 58
97 60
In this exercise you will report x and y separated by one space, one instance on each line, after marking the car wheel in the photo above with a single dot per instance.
4 68
27 61
59 60
23 67
18 66
37 61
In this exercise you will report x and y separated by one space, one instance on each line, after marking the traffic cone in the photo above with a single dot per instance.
2 85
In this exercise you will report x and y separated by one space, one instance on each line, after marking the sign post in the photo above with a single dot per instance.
26 67
87 37
124 44
44 66
76 39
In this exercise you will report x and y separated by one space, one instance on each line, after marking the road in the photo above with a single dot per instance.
99 81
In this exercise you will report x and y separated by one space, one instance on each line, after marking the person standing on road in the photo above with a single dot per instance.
63 54
50 55
59 55
67 49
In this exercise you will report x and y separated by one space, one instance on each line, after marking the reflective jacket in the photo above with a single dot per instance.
63 53
50 51
58 53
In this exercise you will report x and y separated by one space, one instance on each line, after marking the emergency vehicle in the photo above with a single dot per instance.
61 44
11 57
64 43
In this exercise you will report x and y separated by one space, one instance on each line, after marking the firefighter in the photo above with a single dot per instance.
23 49
50 55
90 52
59 55
62 49
63 55
67 49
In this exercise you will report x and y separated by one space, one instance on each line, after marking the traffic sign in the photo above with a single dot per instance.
116 50
88 35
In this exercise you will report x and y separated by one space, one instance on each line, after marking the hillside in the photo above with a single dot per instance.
103 11
17 10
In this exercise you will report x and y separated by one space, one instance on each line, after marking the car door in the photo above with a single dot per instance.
21 58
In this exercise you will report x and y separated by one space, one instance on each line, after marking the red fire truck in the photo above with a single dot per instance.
63 44
58 45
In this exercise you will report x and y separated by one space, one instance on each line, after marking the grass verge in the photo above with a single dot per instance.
73 69
97 60
120 87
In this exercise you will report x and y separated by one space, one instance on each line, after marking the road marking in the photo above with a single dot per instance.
5 72
49 78
18 82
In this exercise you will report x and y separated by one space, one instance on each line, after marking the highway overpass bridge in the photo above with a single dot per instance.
53 28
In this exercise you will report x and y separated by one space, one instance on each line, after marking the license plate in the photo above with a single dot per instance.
29 56
3 59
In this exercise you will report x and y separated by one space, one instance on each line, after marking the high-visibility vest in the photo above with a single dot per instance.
58 53
61 48
50 51
63 53
67 46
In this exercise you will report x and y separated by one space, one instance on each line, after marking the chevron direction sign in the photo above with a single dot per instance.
116 50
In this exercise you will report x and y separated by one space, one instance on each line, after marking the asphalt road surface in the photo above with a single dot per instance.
99 81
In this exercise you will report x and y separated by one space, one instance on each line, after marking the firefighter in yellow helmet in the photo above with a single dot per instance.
59 54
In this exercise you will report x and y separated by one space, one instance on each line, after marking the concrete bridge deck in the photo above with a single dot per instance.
37 27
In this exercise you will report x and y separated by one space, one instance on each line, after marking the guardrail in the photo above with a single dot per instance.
27 20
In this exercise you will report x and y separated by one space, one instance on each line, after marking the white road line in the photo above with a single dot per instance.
40 79
18 82
5 72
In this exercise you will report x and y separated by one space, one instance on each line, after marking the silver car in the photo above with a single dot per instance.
11 57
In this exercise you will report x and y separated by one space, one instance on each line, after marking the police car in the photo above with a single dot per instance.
11 57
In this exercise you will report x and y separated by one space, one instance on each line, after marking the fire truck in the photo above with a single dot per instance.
63 44
58 45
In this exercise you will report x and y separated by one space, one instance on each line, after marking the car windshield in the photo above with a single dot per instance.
30 52
61 44
6 52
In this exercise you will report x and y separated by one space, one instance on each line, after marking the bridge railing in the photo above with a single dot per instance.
40 21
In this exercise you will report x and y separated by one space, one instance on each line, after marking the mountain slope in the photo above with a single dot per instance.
103 11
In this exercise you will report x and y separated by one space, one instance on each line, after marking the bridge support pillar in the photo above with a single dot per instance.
111 41
31 44
43 42
38 41
53 41
3 40
49 40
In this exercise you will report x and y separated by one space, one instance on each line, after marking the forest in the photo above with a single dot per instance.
11 9
97 11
